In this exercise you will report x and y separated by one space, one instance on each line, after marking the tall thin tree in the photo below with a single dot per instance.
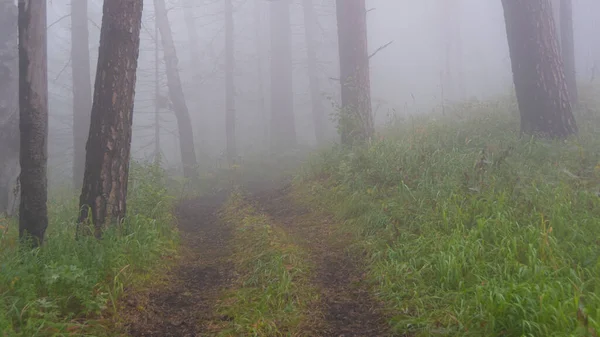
356 120
157 95
538 74
310 32
229 85
283 125
104 192
184 123
9 106
33 122
264 120
82 86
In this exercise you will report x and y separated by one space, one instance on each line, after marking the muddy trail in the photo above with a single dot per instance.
184 305
347 309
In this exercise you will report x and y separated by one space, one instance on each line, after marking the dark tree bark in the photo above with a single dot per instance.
318 111
103 197
184 123
538 74
229 85
82 86
356 121
33 123
9 106
283 125
567 47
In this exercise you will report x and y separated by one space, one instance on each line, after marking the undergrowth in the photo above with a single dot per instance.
272 293
71 287
469 229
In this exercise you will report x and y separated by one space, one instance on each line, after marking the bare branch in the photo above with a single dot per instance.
380 49
58 20
63 69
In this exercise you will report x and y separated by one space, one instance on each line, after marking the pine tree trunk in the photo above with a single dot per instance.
318 111
104 192
568 48
184 123
356 121
9 106
538 74
229 85
33 123
283 128
82 86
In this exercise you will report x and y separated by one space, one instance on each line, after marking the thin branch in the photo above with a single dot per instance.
58 20
380 49
63 69
93 23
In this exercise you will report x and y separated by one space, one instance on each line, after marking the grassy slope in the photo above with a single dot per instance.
469 229
272 295
68 286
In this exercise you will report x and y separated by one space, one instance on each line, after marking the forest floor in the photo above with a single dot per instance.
188 302
183 305
346 305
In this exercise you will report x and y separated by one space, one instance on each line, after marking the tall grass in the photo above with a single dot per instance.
470 229
68 286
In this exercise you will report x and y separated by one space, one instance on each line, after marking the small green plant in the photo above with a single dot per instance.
68 285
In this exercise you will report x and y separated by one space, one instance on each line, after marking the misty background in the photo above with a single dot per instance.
407 76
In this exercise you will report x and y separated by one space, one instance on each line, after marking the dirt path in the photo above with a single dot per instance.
347 308
184 306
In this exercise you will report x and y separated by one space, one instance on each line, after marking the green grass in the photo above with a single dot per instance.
71 287
469 229
272 294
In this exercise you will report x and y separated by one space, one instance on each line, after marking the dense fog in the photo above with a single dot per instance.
413 43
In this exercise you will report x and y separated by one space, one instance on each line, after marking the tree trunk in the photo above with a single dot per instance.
538 74
318 112
184 123
229 85
9 106
157 97
356 120
283 125
188 7
264 119
82 86
568 48
104 192
33 123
